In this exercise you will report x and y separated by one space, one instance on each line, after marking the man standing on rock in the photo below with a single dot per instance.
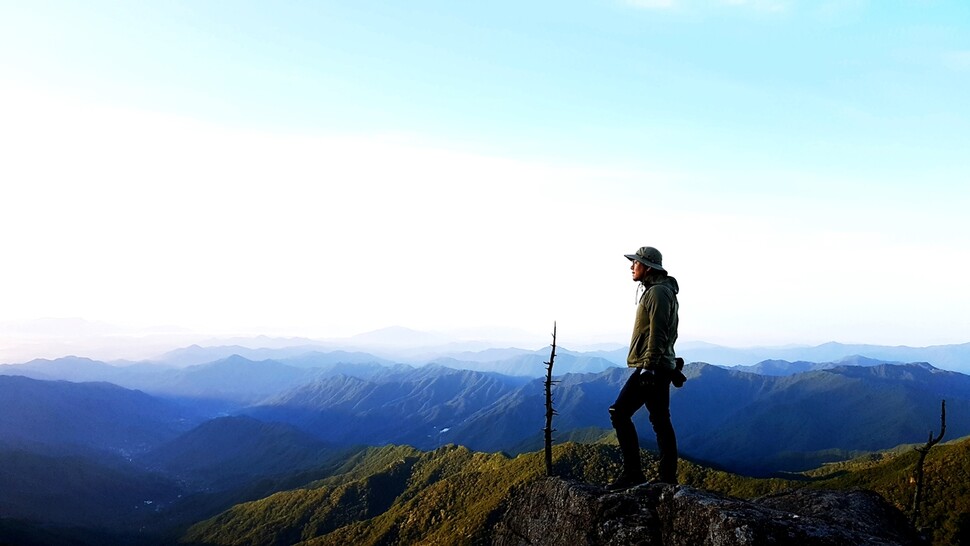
654 364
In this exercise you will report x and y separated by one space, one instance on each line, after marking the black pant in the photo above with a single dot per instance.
652 390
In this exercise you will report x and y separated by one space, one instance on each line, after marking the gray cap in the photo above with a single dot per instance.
648 256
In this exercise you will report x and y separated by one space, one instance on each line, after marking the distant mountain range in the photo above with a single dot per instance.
305 356
51 338
947 357
747 422
784 367
227 451
815 412
64 418
190 441
227 382
407 346
414 407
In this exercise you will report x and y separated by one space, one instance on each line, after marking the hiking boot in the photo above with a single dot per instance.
626 481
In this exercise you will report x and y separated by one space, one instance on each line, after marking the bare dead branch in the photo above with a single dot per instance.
923 451
549 409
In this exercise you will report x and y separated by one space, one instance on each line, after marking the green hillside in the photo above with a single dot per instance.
946 507
397 495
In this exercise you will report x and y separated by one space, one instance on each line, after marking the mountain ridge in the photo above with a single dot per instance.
715 414
417 347
61 417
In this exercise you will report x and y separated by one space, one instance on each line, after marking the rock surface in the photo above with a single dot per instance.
561 512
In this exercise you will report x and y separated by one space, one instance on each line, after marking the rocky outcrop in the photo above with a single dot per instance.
560 512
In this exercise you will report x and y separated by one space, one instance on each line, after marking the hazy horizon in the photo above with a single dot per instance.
56 338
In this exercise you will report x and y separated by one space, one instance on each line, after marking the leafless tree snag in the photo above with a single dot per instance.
923 451
549 411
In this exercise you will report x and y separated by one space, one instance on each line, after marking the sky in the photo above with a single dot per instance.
322 168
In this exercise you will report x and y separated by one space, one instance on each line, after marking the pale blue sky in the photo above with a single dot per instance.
325 168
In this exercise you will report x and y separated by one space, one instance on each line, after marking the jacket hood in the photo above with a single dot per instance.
665 280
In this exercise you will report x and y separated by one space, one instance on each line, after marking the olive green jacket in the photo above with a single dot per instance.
655 328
